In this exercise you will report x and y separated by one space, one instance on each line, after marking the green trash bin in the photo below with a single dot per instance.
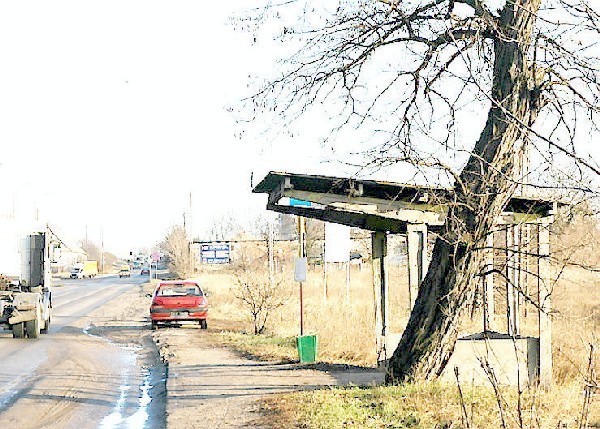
307 348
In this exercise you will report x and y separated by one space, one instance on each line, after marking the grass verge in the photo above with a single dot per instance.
430 405
263 347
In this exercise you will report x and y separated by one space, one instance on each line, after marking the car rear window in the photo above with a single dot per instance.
180 290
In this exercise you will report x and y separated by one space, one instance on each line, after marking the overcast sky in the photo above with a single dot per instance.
113 112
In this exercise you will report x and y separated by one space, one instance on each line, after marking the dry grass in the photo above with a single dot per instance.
345 328
428 405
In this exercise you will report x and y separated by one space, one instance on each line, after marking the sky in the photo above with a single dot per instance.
114 113
115 119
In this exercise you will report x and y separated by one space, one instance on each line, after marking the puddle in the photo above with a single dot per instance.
118 419
150 408
141 403
9 391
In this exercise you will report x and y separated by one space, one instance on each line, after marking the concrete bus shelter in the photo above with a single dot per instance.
516 264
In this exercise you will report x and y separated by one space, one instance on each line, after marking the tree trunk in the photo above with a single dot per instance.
485 186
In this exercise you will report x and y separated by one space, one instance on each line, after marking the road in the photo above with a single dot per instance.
72 377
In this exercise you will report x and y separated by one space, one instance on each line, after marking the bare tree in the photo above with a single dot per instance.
416 75
95 253
258 292
177 249
224 227
314 239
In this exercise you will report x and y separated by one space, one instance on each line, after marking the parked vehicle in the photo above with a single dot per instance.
124 271
86 269
179 301
26 302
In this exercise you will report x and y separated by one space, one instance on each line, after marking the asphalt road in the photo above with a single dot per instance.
71 378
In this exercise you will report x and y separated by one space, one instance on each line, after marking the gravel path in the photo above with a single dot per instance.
210 386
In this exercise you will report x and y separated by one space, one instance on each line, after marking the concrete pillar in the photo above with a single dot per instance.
512 275
525 265
417 258
380 291
545 303
516 273
488 286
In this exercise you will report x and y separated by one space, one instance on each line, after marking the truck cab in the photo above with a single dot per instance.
25 303
76 272
125 271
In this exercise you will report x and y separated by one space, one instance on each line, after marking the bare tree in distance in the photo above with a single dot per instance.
256 290
225 227
95 253
315 240
177 250
466 93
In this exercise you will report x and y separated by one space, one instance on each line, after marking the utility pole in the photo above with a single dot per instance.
101 250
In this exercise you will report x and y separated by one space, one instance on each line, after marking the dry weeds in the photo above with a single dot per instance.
344 323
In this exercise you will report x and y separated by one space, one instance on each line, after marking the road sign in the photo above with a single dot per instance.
300 269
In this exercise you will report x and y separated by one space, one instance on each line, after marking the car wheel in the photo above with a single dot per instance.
154 326
18 330
33 328
46 327
203 324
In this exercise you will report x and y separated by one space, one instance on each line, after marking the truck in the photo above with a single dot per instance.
26 301
124 271
81 270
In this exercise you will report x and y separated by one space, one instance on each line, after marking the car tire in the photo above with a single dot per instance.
154 326
33 328
203 324
46 327
18 330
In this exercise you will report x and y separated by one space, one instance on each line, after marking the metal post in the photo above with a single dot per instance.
270 250
301 254
347 282
102 250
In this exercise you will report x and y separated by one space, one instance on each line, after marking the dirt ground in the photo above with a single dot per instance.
211 386
206 384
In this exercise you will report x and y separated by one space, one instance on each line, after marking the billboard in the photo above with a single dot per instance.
215 253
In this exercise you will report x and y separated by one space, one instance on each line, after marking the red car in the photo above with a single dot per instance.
178 301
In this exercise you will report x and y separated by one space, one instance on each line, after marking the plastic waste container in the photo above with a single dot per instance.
307 348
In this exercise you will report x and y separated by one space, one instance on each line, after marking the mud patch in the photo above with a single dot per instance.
150 386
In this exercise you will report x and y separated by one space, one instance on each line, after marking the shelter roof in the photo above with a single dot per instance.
376 205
